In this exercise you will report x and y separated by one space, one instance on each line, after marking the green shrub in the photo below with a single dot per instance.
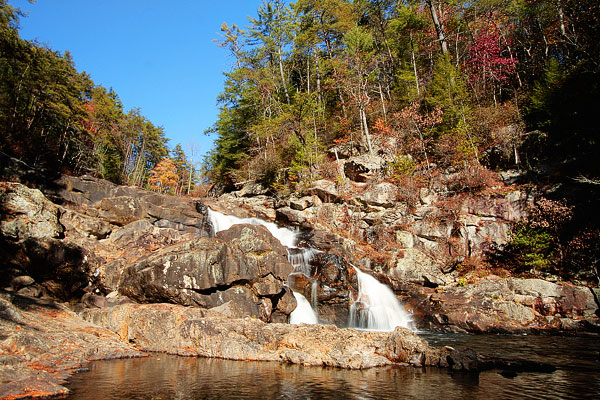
534 247
403 165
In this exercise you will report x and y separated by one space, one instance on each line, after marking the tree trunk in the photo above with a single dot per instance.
318 72
382 102
414 63
438 26
287 95
363 118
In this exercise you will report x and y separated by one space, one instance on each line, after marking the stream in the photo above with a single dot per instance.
162 376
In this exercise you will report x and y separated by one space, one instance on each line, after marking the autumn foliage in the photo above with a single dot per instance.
163 178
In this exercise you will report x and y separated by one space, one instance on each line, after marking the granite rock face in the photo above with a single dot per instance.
27 214
418 245
31 242
196 332
244 265
509 306
43 344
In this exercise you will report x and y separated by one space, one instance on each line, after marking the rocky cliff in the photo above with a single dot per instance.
76 247
422 242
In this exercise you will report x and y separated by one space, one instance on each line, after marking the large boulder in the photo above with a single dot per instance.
325 190
364 167
242 270
262 252
26 213
383 194
251 189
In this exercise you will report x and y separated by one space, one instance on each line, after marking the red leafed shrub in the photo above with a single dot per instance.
486 62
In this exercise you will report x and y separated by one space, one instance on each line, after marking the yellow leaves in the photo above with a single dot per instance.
163 178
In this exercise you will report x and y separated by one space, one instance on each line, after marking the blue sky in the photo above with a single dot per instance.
159 56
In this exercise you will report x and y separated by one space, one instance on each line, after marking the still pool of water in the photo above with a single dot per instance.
162 376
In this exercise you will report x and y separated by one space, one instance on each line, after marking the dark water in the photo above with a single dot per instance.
169 377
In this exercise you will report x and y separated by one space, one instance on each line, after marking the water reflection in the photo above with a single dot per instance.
169 377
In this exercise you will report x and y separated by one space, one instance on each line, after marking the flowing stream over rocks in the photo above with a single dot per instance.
375 308
93 270
304 313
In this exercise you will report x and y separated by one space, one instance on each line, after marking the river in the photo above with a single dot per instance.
161 376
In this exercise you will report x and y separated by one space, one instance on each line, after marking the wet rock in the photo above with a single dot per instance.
465 360
188 331
405 347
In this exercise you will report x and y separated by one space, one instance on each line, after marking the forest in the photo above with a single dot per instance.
54 117
443 78
467 88
433 86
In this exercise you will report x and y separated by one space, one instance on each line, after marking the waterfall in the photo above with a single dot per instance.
303 313
299 257
221 222
376 307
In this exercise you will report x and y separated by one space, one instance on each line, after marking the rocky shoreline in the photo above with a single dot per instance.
44 343
107 271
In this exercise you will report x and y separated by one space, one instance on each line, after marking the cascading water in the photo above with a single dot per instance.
298 257
221 222
303 314
376 307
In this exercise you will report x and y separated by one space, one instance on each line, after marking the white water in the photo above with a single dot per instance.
221 222
376 307
303 313
300 258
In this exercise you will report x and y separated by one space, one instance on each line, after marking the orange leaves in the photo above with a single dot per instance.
382 128
421 119
163 178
